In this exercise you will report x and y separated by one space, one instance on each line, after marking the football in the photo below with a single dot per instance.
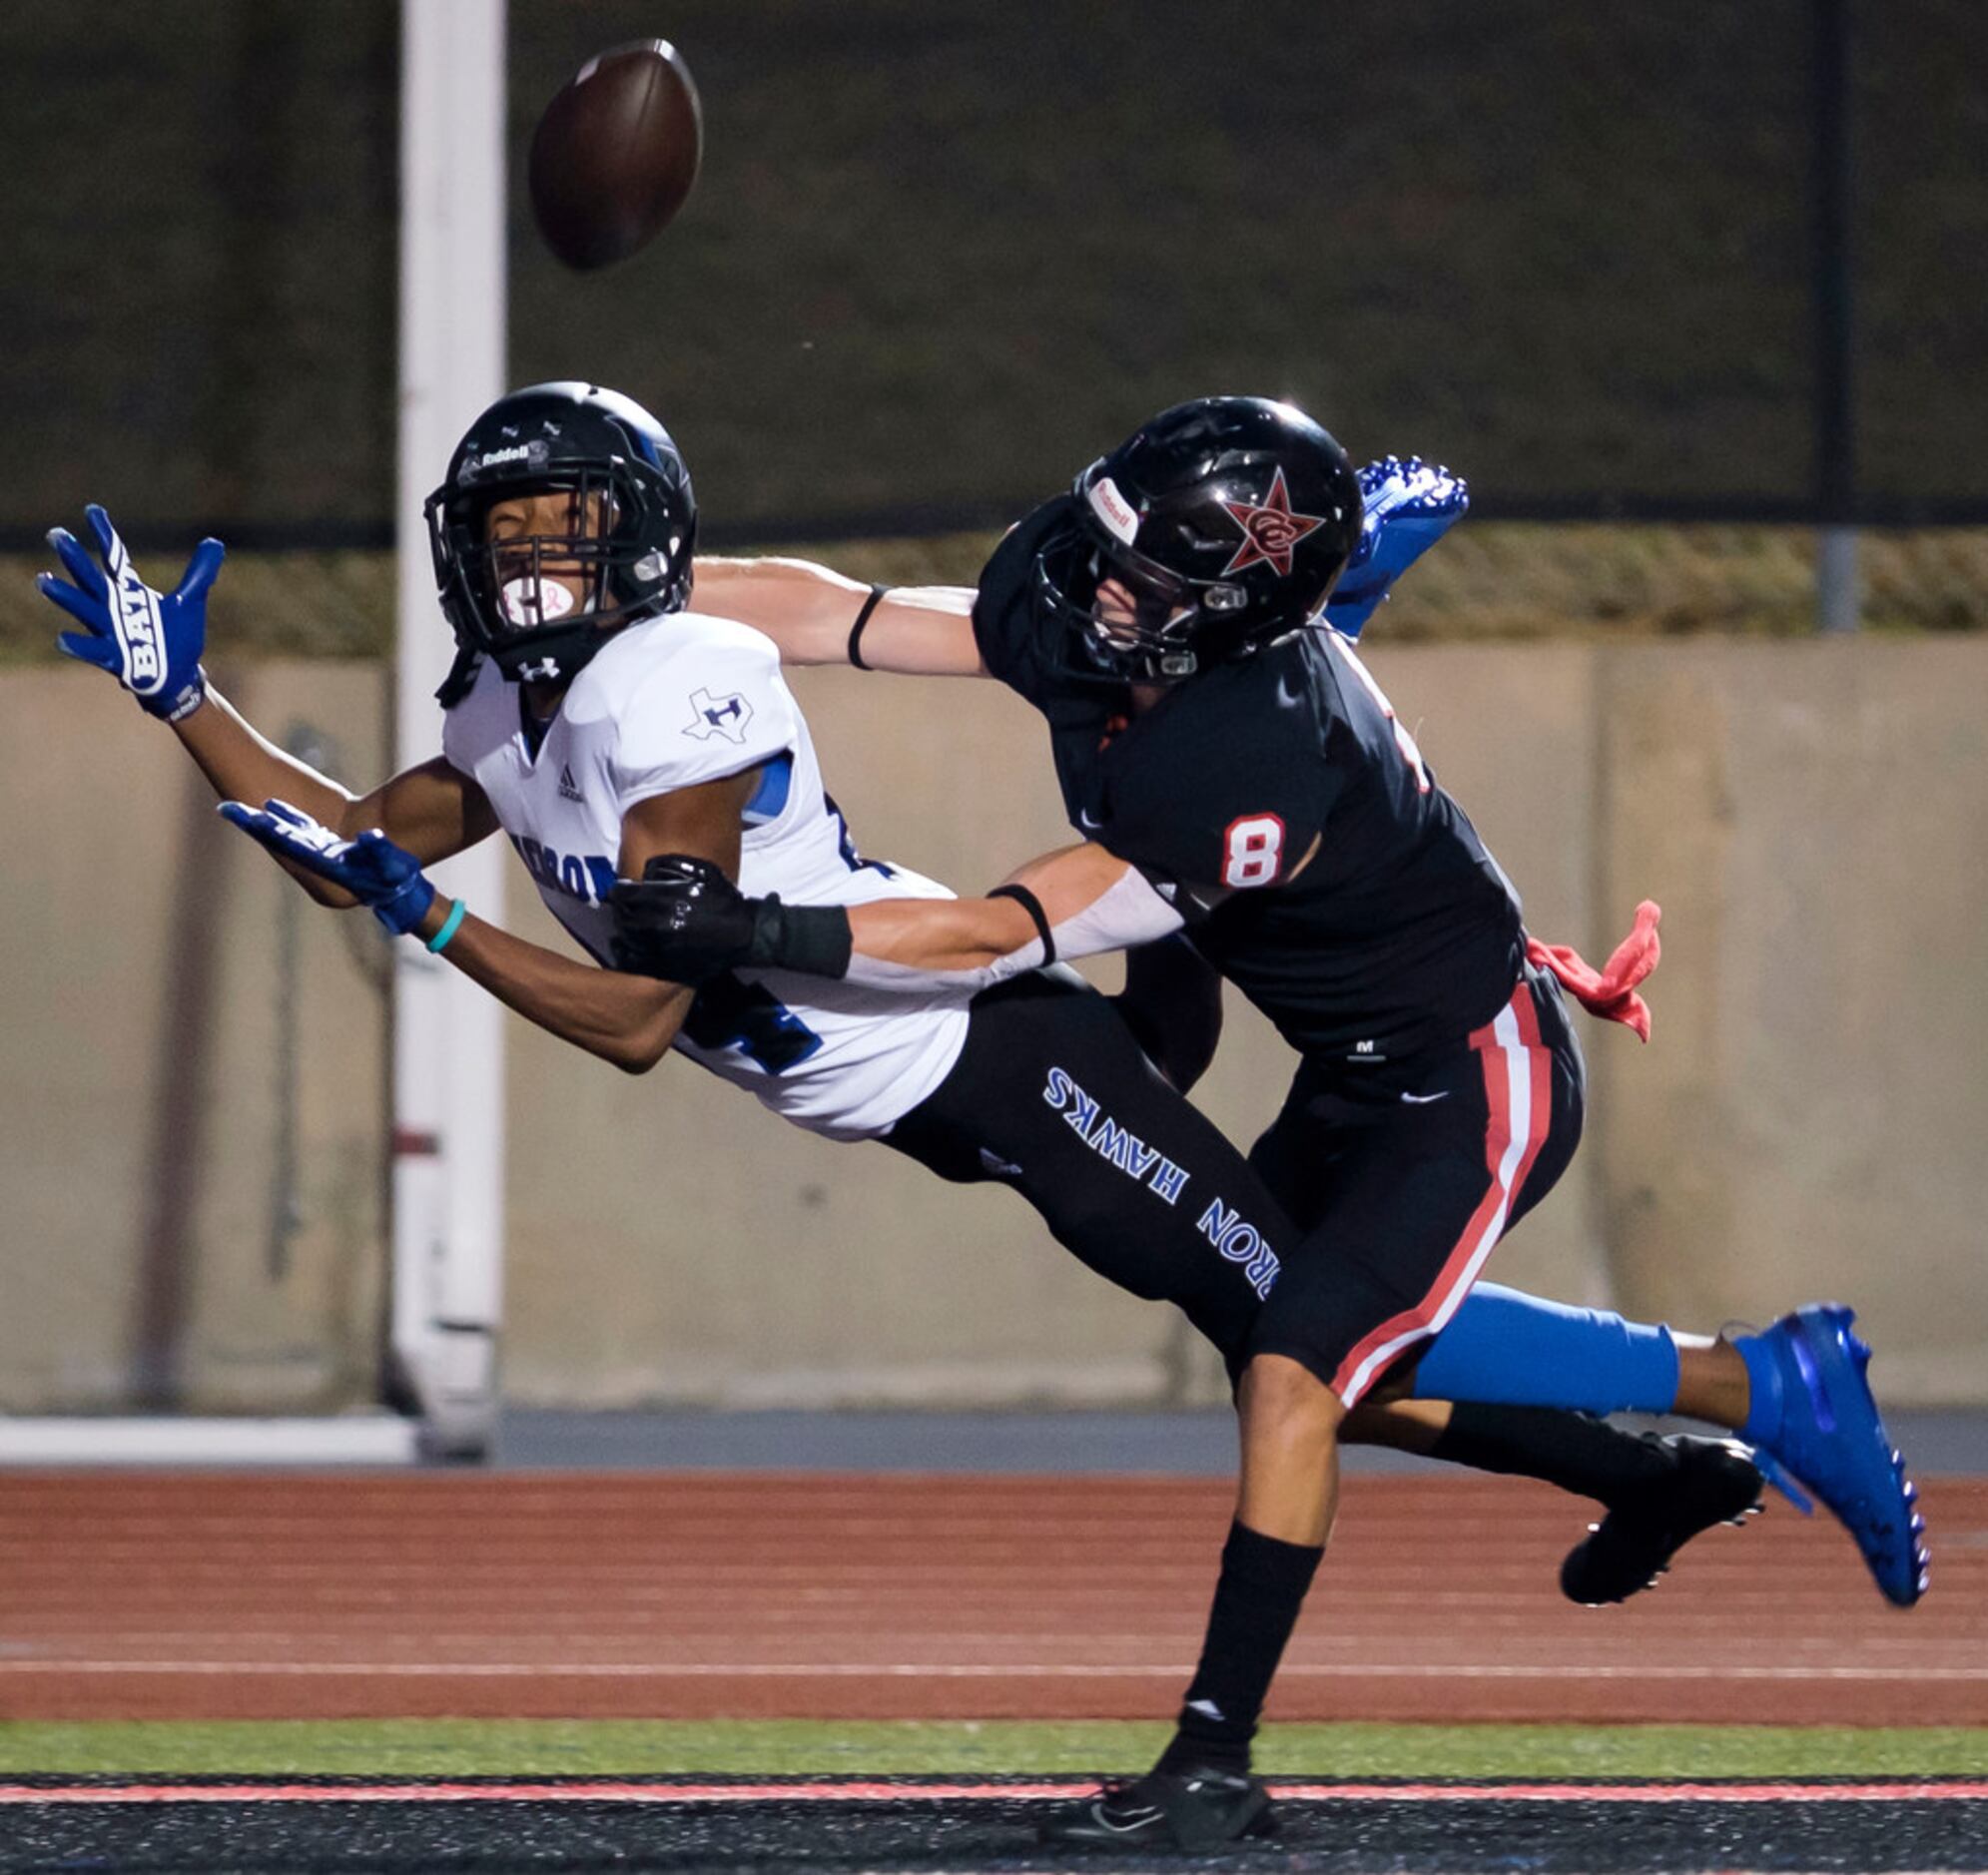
615 154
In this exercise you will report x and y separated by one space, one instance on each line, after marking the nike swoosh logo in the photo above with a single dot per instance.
1084 820
1134 1819
1423 1100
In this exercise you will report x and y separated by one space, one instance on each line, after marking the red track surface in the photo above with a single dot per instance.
695 1596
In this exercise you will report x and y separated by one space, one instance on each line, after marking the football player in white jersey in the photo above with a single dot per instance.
597 722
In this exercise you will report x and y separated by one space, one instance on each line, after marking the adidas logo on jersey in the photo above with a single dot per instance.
569 789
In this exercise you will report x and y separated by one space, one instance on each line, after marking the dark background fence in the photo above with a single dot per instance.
942 255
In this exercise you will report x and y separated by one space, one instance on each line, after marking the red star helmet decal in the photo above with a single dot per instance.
1269 532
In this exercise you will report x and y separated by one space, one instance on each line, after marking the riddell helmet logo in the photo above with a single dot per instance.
1113 509
534 453
1271 531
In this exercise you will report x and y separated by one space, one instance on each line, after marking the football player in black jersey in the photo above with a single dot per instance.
1237 773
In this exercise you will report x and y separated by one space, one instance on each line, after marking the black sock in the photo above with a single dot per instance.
1262 1588
1586 1455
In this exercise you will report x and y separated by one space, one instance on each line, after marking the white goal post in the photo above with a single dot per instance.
448 1051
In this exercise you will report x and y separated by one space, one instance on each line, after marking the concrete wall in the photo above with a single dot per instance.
1805 1124
190 1135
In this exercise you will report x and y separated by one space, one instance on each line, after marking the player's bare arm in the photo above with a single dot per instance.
626 1020
152 643
684 918
1076 902
813 614
431 810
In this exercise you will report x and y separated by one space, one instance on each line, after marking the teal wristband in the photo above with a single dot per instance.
449 925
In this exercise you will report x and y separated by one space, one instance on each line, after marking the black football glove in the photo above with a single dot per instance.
684 921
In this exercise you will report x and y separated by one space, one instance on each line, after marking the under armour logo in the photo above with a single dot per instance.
539 670
718 716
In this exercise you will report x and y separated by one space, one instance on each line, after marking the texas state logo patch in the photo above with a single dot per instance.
718 716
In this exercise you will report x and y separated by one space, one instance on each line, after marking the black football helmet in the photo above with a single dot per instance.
632 527
1225 520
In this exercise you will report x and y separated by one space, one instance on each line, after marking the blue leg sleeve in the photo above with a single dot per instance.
1503 1348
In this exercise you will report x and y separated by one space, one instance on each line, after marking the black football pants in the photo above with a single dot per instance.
1402 1183
1053 1097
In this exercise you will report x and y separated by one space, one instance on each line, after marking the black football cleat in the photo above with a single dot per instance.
1196 1809
1709 1481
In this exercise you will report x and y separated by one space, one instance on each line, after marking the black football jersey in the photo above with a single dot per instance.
1280 805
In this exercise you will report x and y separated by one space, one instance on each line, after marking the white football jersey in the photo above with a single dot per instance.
667 704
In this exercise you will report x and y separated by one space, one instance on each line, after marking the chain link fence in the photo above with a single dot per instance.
943 255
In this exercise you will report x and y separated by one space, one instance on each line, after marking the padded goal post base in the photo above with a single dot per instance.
364 1439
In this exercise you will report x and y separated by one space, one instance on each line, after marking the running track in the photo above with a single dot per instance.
700 1594
815 1828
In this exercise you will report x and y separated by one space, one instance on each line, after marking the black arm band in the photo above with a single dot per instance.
812 938
863 619
1028 901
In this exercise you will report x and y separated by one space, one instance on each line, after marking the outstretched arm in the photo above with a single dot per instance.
684 919
152 643
627 1019
1089 900
431 810
812 612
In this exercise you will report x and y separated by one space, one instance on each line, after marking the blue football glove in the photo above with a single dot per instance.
1410 506
381 876
149 642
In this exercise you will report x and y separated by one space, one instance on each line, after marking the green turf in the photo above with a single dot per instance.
464 1747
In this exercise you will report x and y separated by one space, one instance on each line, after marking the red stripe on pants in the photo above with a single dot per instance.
1488 1221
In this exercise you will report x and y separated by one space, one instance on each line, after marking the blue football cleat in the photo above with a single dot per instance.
1815 1424
1409 508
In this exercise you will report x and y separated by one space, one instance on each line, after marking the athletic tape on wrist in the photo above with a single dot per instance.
863 619
1028 901
449 926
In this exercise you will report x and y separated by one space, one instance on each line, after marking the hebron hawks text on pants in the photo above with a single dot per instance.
1105 1136
1233 1236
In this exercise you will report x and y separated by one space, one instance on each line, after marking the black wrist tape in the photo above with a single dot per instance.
812 938
863 619
1028 901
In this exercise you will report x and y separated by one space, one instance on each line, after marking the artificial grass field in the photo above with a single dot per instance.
788 1747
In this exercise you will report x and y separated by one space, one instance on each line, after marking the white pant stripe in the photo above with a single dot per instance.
1519 1108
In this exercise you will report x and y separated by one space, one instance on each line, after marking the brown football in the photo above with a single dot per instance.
615 154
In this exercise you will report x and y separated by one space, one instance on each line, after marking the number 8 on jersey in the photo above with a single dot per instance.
1255 850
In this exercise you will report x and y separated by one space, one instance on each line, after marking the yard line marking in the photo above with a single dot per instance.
875 1792
954 1670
